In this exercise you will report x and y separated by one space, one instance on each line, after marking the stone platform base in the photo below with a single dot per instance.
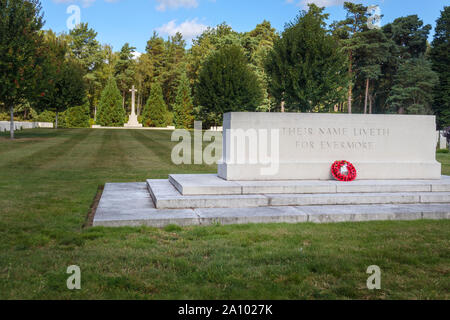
321 171
206 199
133 121
133 128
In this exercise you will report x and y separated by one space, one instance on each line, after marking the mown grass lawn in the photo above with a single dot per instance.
49 178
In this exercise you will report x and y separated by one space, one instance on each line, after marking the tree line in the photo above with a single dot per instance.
311 66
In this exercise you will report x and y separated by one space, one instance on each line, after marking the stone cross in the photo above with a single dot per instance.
133 119
133 91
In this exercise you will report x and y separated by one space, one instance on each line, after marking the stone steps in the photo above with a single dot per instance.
322 214
211 184
358 198
130 204
166 194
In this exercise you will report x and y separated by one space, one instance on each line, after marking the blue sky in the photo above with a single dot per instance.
133 21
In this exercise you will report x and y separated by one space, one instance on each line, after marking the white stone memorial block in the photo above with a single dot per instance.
303 146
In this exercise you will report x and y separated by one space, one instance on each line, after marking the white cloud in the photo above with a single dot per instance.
136 55
319 3
84 3
175 4
163 5
189 29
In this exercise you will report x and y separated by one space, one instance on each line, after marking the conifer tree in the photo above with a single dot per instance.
440 56
306 66
355 22
226 84
183 107
410 38
155 111
173 67
373 51
110 112
412 92
124 70
86 49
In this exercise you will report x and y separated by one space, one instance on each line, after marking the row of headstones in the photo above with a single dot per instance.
96 126
20 125
441 140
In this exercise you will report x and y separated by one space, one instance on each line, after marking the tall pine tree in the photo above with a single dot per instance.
440 56
124 70
110 112
307 68
373 51
173 67
183 107
155 111
412 92
354 23
409 35
226 83
84 46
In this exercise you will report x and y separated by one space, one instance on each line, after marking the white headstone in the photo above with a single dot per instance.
441 140
19 125
303 146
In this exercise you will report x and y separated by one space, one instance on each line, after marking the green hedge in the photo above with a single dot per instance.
76 117
46 116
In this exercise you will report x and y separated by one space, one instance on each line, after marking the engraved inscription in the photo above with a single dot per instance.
332 139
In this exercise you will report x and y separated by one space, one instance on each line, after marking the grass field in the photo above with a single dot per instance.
49 178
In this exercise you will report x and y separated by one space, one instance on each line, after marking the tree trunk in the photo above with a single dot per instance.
56 120
350 99
11 127
138 112
370 103
367 96
137 104
350 72
123 100
282 106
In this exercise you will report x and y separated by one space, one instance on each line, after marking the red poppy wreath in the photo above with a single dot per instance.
343 171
